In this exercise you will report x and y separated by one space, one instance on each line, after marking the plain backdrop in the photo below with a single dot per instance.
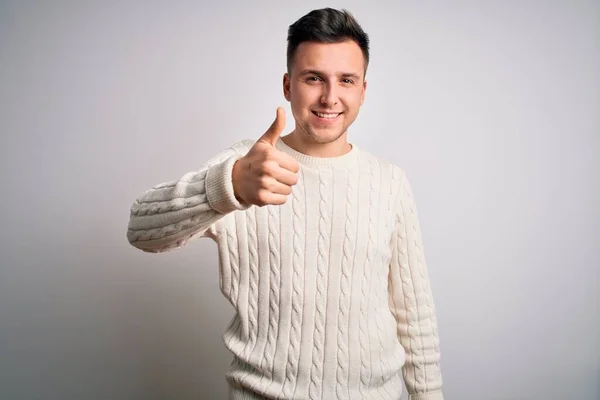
492 108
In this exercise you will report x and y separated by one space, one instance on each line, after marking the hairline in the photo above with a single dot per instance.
342 40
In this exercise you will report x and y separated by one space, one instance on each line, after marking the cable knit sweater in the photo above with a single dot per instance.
331 293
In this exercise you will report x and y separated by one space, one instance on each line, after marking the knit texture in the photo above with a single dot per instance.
331 292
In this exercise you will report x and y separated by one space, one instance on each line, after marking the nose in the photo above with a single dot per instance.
329 96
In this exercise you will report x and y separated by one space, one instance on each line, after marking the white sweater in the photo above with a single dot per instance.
331 291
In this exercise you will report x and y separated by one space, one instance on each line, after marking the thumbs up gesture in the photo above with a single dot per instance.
266 175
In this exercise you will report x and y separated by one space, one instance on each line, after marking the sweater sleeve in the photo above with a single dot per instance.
169 215
411 302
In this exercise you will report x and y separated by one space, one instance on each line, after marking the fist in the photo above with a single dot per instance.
266 175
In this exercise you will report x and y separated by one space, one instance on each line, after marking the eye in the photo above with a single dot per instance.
348 81
313 79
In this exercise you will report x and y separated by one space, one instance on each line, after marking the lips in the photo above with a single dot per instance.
326 115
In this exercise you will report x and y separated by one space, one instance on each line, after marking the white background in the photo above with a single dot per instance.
492 108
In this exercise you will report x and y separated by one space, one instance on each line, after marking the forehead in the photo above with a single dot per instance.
344 57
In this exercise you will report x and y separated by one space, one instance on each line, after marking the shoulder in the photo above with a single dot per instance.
392 176
394 172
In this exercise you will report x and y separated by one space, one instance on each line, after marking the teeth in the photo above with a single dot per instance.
323 115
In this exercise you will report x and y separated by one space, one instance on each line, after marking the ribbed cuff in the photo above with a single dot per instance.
427 396
219 187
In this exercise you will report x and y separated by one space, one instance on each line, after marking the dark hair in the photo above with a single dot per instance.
326 25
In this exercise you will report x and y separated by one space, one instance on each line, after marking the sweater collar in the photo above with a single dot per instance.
339 161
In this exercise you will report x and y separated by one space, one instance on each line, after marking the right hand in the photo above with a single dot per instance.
266 175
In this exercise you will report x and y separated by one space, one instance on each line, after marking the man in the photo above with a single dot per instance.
320 250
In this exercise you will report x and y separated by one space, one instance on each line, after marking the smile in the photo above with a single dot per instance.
326 115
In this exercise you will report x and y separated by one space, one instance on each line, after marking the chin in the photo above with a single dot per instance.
324 136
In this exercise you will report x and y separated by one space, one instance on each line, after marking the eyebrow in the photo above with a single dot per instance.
342 75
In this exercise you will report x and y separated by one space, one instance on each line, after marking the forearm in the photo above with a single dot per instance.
170 214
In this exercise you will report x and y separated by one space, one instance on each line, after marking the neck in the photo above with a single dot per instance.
306 145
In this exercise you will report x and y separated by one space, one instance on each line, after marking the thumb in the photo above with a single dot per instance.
272 134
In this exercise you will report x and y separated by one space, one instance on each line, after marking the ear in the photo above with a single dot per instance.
286 86
364 90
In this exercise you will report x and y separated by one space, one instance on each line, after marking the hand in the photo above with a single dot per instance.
266 175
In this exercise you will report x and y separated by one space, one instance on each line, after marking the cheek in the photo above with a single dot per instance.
303 98
357 99
298 102
295 92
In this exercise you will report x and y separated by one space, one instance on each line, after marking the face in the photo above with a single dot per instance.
326 88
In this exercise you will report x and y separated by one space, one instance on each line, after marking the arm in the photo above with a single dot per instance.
411 302
170 214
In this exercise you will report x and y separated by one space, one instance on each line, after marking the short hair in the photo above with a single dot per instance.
326 25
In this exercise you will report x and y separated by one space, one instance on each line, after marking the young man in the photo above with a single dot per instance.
320 250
